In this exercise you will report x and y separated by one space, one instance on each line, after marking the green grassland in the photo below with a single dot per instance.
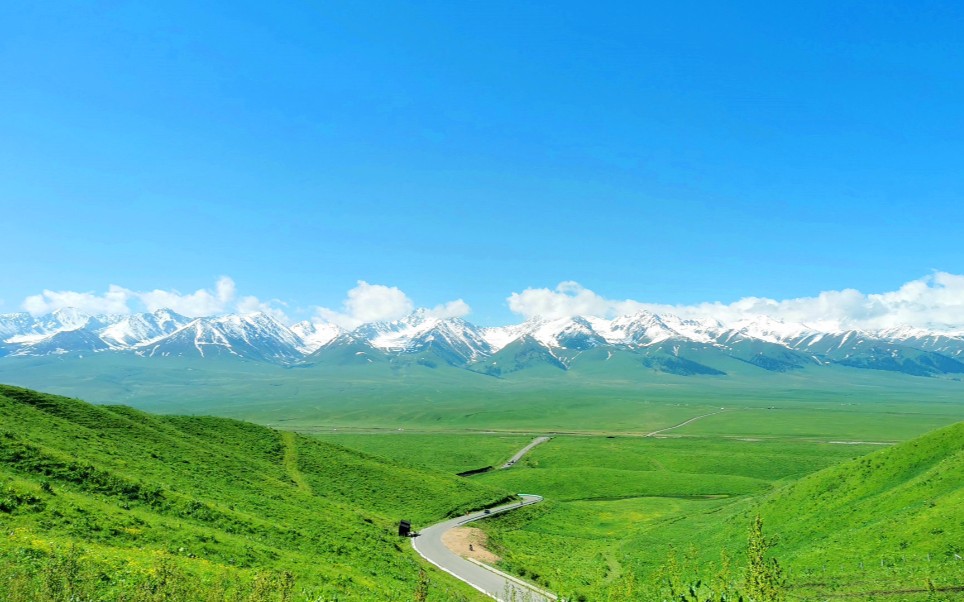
445 399
109 503
889 521
623 506
867 420
603 493
233 508
448 453
579 468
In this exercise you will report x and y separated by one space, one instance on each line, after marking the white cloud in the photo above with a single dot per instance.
452 309
935 301
120 300
114 301
369 303
250 304
379 303
568 299
202 302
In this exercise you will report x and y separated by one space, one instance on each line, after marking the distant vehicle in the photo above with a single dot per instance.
487 511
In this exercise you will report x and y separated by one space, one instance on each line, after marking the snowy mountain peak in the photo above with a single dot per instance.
314 335
255 336
768 329
421 334
642 328
69 318
135 329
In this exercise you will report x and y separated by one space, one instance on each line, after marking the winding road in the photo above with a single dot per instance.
523 452
487 580
490 581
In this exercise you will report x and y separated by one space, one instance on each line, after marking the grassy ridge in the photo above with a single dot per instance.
890 521
242 512
606 494
898 513
216 501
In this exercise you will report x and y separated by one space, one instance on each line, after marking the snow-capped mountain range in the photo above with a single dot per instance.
664 343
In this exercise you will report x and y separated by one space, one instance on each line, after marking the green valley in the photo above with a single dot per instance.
625 509
443 301
860 495
109 503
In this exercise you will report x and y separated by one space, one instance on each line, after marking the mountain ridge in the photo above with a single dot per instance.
660 342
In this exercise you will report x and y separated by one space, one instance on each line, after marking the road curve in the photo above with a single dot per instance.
493 583
523 452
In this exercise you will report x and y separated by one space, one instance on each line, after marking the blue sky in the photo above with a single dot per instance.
667 154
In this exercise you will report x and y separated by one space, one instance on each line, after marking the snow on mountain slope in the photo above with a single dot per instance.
395 335
454 339
63 319
15 324
26 329
646 328
763 328
581 333
315 335
766 342
499 336
420 330
575 333
63 342
347 350
950 344
250 336
138 329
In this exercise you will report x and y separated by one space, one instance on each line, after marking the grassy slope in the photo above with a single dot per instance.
604 493
220 499
900 510
887 521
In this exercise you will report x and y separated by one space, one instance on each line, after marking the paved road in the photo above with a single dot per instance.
524 451
490 582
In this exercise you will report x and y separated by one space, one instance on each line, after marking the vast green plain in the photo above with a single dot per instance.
833 402
647 483
627 511
851 520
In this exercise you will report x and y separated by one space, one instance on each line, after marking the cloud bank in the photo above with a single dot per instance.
363 304
379 303
934 302
570 299
119 300
114 301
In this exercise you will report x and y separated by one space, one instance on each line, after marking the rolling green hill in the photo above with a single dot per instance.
109 503
888 525
894 517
